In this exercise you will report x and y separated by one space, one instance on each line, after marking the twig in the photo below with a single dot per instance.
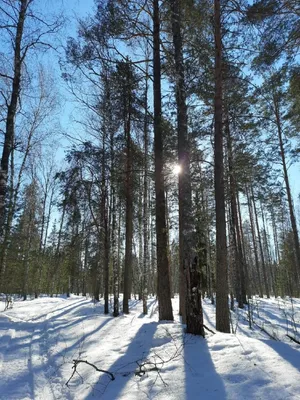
76 362
293 339
265 331
142 370
209 330
154 363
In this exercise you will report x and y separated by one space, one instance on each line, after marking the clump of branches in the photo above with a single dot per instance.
154 363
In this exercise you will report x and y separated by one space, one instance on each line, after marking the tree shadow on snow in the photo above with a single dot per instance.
125 366
17 349
66 309
285 351
150 304
201 378
207 318
20 387
82 339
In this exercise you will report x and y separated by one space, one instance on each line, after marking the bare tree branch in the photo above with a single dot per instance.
77 362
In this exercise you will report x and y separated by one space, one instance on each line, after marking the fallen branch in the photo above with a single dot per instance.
75 364
156 367
154 363
143 369
265 331
209 330
293 339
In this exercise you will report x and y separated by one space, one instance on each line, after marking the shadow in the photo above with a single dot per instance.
124 367
6 326
64 310
10 314
201 378
88 309
17 347
79 308
132 303
285 351
271 319
207 318
64 324
83 338
53 330
149 305
21 387
33 325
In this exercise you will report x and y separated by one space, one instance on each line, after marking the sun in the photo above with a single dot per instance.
177 169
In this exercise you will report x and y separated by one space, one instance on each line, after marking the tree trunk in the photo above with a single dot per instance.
14 193
114 255
57 256
168 240
260 247
87 231
152 281
106 262
114 232
261 293
241 233
129 203
104 240
238 252
140 240
275 234
41 251
119 245
268 251
222 311
11 110
288 191
28 241
163 275
145 202
48 217
190 285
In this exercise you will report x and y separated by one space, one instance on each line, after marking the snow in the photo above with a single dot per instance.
39 339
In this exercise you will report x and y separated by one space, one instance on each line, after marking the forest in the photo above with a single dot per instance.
149 199
176 172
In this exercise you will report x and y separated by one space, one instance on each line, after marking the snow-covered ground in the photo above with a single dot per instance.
39 339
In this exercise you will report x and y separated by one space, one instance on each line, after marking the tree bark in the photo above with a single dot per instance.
129 199
260 288
163 275
262 256
241 233
114 232
267 246
222 310
104 240
190 285
239 261
145 202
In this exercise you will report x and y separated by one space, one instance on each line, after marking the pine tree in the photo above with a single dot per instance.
189 263
163 274
222 311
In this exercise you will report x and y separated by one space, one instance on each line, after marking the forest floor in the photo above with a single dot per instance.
39 339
